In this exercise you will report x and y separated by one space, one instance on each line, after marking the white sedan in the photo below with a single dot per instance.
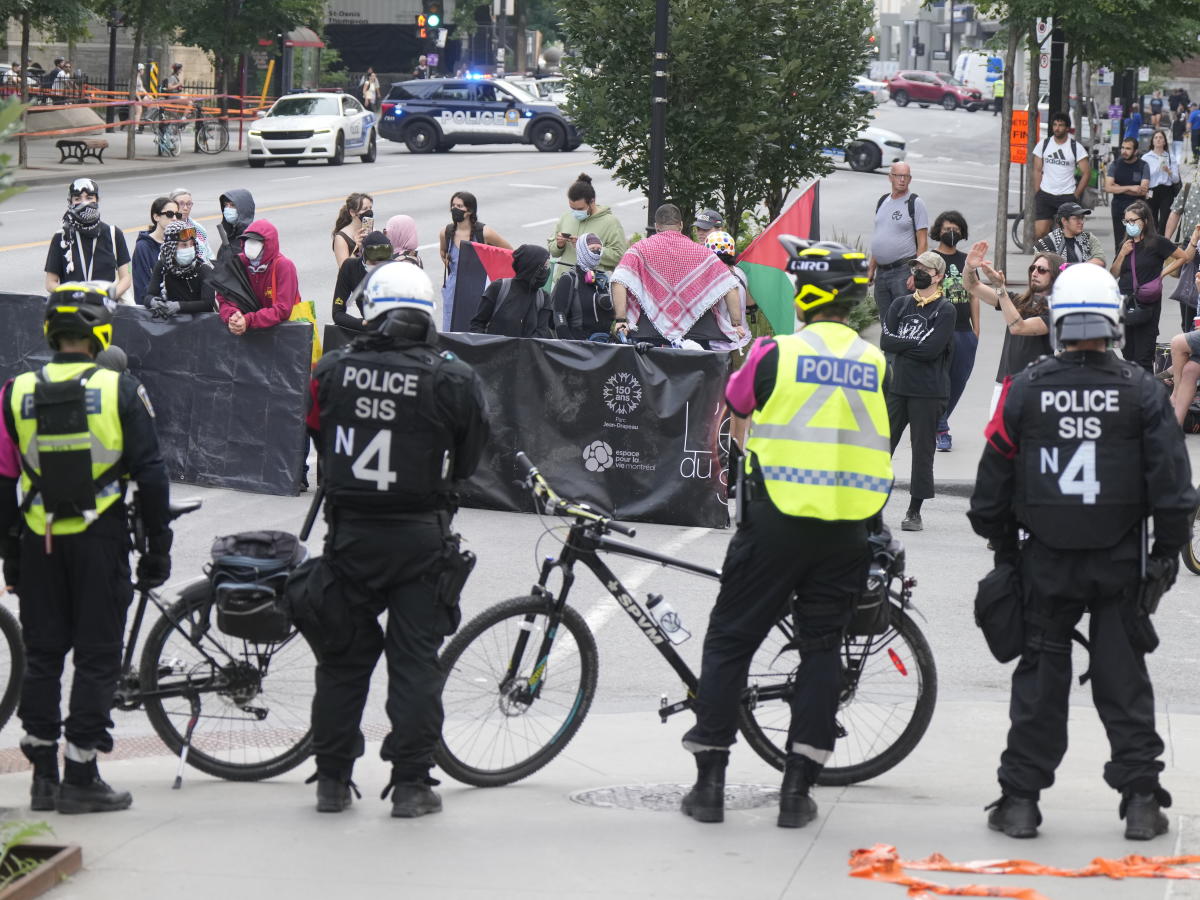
313 126
874 147
877 89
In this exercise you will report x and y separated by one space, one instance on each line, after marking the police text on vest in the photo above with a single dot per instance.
1080 400
846 373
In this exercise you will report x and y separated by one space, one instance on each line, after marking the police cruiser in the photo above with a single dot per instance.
313 126
437 113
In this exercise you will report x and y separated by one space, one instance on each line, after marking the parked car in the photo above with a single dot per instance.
312 126
437 113
872 148
877 89
553 88
926 88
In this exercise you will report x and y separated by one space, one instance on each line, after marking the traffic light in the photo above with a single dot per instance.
422 31
433 13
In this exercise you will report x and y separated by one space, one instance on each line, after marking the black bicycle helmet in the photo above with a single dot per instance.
824 272
80 309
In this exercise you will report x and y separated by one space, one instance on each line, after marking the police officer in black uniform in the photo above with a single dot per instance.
399 424
1081 450
82 431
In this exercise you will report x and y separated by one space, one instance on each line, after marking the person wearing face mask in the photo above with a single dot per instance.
464 226
347 293
582 298
181 281
518 306
1138 269
237 212
918 336
583 216
183 197
1127 180
163 212
87 248
266 291
949 228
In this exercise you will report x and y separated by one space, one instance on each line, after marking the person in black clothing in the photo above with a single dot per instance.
1083 448
237 212
918 336
518 306
181 280
1138 269
1127 180
377 250
398 424
87 248
582 298
949 228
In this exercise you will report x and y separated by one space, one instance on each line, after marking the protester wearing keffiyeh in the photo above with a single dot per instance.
181 279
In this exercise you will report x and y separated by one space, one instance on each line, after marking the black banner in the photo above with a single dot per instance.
636 434
230 410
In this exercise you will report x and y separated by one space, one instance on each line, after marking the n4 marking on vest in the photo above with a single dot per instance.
845 373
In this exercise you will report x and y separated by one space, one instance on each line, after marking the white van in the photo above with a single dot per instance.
979 69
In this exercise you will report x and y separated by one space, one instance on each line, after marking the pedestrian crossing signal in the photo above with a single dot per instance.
422 32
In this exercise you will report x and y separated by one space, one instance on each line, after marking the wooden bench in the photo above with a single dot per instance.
80 148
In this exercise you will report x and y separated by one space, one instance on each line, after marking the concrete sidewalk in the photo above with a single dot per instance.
536 839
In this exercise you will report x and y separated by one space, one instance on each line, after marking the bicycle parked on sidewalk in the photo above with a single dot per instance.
211 132
166 130
520 676
12 664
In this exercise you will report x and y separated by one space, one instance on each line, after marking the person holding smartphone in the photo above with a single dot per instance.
355 221
584 215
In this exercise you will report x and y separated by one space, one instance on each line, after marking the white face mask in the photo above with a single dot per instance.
185 256
253 249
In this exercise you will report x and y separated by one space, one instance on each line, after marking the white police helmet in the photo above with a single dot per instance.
394 286
1086 304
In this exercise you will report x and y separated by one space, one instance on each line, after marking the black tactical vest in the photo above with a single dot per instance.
1080 466
384 444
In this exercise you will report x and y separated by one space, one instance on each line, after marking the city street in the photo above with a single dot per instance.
529 840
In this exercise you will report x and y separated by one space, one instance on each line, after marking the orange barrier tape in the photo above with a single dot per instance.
883 863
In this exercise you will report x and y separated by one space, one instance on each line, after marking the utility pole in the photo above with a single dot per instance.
658 111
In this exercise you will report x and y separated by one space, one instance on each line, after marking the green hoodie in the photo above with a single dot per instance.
604 225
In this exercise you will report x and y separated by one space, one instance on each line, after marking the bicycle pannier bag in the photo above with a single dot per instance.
248 574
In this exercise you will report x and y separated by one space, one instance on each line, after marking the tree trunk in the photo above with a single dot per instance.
1081 79
131 133
1035 90
1010 60
522 63
22 145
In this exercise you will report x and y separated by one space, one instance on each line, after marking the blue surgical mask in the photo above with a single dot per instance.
185 256
579 214
1133 229
231 215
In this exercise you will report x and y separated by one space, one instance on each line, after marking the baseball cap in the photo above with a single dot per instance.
932 260
709 219
1069 209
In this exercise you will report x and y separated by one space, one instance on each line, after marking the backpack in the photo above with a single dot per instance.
912 209
544 324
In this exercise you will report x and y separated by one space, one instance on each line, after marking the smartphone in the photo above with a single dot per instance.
368 222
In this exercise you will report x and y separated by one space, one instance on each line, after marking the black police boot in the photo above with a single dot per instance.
412 796
335 791
796 805
1017 817
1143 815
45 775
705 802
84 791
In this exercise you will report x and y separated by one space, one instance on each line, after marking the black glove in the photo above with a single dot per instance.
154 566
1163 568
10 547
643 347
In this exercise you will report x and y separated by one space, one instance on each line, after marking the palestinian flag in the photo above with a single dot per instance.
478 266
765 261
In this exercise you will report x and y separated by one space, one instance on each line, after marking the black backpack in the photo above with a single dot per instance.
543 311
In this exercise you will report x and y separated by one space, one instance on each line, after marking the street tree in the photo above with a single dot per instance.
758 90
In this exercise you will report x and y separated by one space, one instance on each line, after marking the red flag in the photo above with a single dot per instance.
497 261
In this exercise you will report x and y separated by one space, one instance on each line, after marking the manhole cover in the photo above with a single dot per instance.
666 797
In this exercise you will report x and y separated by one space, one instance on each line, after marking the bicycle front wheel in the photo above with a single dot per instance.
889 692
12 664
1191 553
255 700
212 136
510 707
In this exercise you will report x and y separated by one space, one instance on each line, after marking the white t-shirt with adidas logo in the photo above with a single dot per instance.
1058 164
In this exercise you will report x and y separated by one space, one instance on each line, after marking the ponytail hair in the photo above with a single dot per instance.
353 204
582 189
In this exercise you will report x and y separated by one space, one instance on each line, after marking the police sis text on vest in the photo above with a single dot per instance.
1080 400
380 381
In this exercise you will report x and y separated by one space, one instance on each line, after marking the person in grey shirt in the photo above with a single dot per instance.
901 233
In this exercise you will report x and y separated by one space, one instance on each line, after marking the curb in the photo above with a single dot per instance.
138 168
955 487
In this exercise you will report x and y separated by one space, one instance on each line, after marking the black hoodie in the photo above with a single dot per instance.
526 310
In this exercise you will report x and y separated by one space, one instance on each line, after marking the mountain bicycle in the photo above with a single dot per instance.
207 694
520 676
211 133
166 131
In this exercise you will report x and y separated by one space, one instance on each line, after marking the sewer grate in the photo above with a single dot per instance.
667 797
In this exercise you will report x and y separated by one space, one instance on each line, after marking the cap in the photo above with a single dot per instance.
709 219
1069 209
932 260
376 247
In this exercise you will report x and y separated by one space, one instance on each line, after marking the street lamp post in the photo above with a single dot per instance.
658 111
115 21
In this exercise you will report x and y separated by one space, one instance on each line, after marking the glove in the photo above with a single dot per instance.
643 347
154 566
164 309
10 547
1163 568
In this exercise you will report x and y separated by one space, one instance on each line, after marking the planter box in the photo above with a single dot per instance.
55 864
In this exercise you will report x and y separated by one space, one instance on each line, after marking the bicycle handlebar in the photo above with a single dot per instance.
534 480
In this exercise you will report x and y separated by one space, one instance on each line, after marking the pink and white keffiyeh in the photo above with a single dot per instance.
675 281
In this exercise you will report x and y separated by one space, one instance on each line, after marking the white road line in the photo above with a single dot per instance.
978 187
537 187
632 202
429 246
540 222
293 178
31 209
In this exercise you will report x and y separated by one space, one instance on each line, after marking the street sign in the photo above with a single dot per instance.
1018 136
1044 67
1105 76
1144 73
1115 112
1044 28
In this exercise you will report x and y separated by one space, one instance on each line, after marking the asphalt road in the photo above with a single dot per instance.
521 193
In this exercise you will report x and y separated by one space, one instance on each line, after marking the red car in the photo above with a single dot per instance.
925 88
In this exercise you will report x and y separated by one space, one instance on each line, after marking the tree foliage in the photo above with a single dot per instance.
754 96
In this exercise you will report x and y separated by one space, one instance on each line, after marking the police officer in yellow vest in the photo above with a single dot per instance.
73 434
817 469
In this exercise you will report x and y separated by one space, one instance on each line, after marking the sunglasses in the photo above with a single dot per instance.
377 253
171 214
1043 270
